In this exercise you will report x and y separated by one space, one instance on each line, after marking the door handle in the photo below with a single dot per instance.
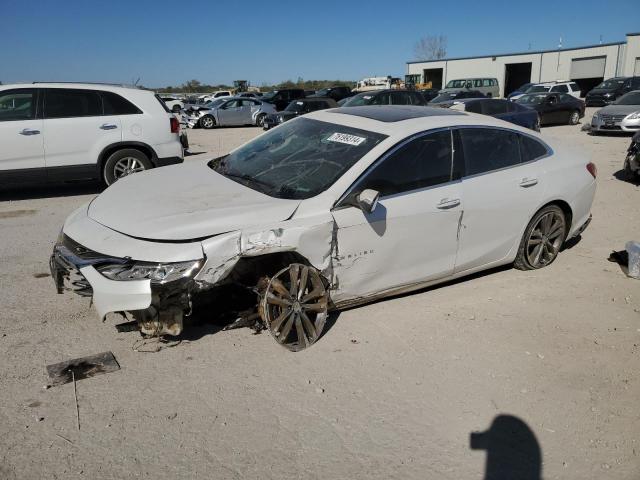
528 182
108 126
29 131
448 203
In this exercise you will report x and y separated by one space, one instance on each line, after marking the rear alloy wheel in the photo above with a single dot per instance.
574 118
294 306
123 163
207 122
542 239
260 119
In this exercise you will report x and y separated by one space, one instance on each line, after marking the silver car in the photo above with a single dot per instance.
621 116
229 112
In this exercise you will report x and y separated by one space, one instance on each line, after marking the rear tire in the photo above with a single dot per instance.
542 239
260 119
124 162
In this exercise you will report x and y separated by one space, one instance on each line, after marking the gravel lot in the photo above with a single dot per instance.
393 390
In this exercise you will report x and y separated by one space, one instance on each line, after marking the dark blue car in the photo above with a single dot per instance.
502 109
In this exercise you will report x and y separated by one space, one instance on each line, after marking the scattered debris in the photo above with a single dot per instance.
75 395
172 416
64 438
79 368
41 275
621 258
319 390
128 327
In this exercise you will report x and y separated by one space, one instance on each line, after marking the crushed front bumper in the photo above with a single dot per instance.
73 269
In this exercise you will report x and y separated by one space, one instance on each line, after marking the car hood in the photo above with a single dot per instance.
619 109
184 202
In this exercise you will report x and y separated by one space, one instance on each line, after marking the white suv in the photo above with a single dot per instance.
60 132
570 88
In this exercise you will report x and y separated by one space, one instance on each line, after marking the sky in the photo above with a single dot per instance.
169 42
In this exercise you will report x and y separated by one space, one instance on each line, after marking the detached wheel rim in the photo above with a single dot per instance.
126 166
207 122
294 306
545 239
575 117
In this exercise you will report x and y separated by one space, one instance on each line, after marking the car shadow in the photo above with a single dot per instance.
513 452
623 177
50 191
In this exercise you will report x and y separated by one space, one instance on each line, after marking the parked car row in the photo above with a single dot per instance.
53 132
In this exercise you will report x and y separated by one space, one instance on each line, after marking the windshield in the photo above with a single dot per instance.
322 93
358 100
269 95
538 88
297 160
443 97
296 106
611 84
456 84
532 99
631 98
215 103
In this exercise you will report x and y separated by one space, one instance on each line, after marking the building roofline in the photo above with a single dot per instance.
536 52
633 34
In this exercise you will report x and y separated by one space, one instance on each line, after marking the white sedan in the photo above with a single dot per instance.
329 210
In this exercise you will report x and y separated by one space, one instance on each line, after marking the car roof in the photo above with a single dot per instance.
396 113
407 120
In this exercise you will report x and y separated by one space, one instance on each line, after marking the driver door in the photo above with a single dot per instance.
412 234
230 113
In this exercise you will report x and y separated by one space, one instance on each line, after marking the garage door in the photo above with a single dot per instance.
636 71
587 67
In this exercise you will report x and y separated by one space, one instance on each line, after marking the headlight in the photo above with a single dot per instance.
634 116
158 273
608 95
280 119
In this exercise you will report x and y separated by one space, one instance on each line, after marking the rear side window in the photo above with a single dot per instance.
494 107
531 149
18 104
382 99
68 103
114 104
574 87
488 149
421 163
473 107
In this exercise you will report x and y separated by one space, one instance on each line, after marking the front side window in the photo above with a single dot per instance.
19 104
299 159
400 98
488 149
473 107
477 83
423 162
560 89
382 99
68 103
494 107
575 87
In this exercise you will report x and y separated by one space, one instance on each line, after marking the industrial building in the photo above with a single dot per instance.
587 66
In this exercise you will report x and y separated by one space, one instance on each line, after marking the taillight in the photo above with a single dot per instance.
592 169
175 125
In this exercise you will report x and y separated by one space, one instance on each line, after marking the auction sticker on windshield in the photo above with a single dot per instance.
346 138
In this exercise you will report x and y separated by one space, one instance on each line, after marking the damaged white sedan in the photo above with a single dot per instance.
329 210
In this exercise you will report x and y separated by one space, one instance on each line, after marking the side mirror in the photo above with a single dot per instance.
367 200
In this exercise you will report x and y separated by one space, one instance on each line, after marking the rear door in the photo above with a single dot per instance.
500 194
21 136
76 132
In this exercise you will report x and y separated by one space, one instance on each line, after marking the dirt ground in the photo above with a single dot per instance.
546 360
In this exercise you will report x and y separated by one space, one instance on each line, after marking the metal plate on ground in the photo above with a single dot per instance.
84 367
